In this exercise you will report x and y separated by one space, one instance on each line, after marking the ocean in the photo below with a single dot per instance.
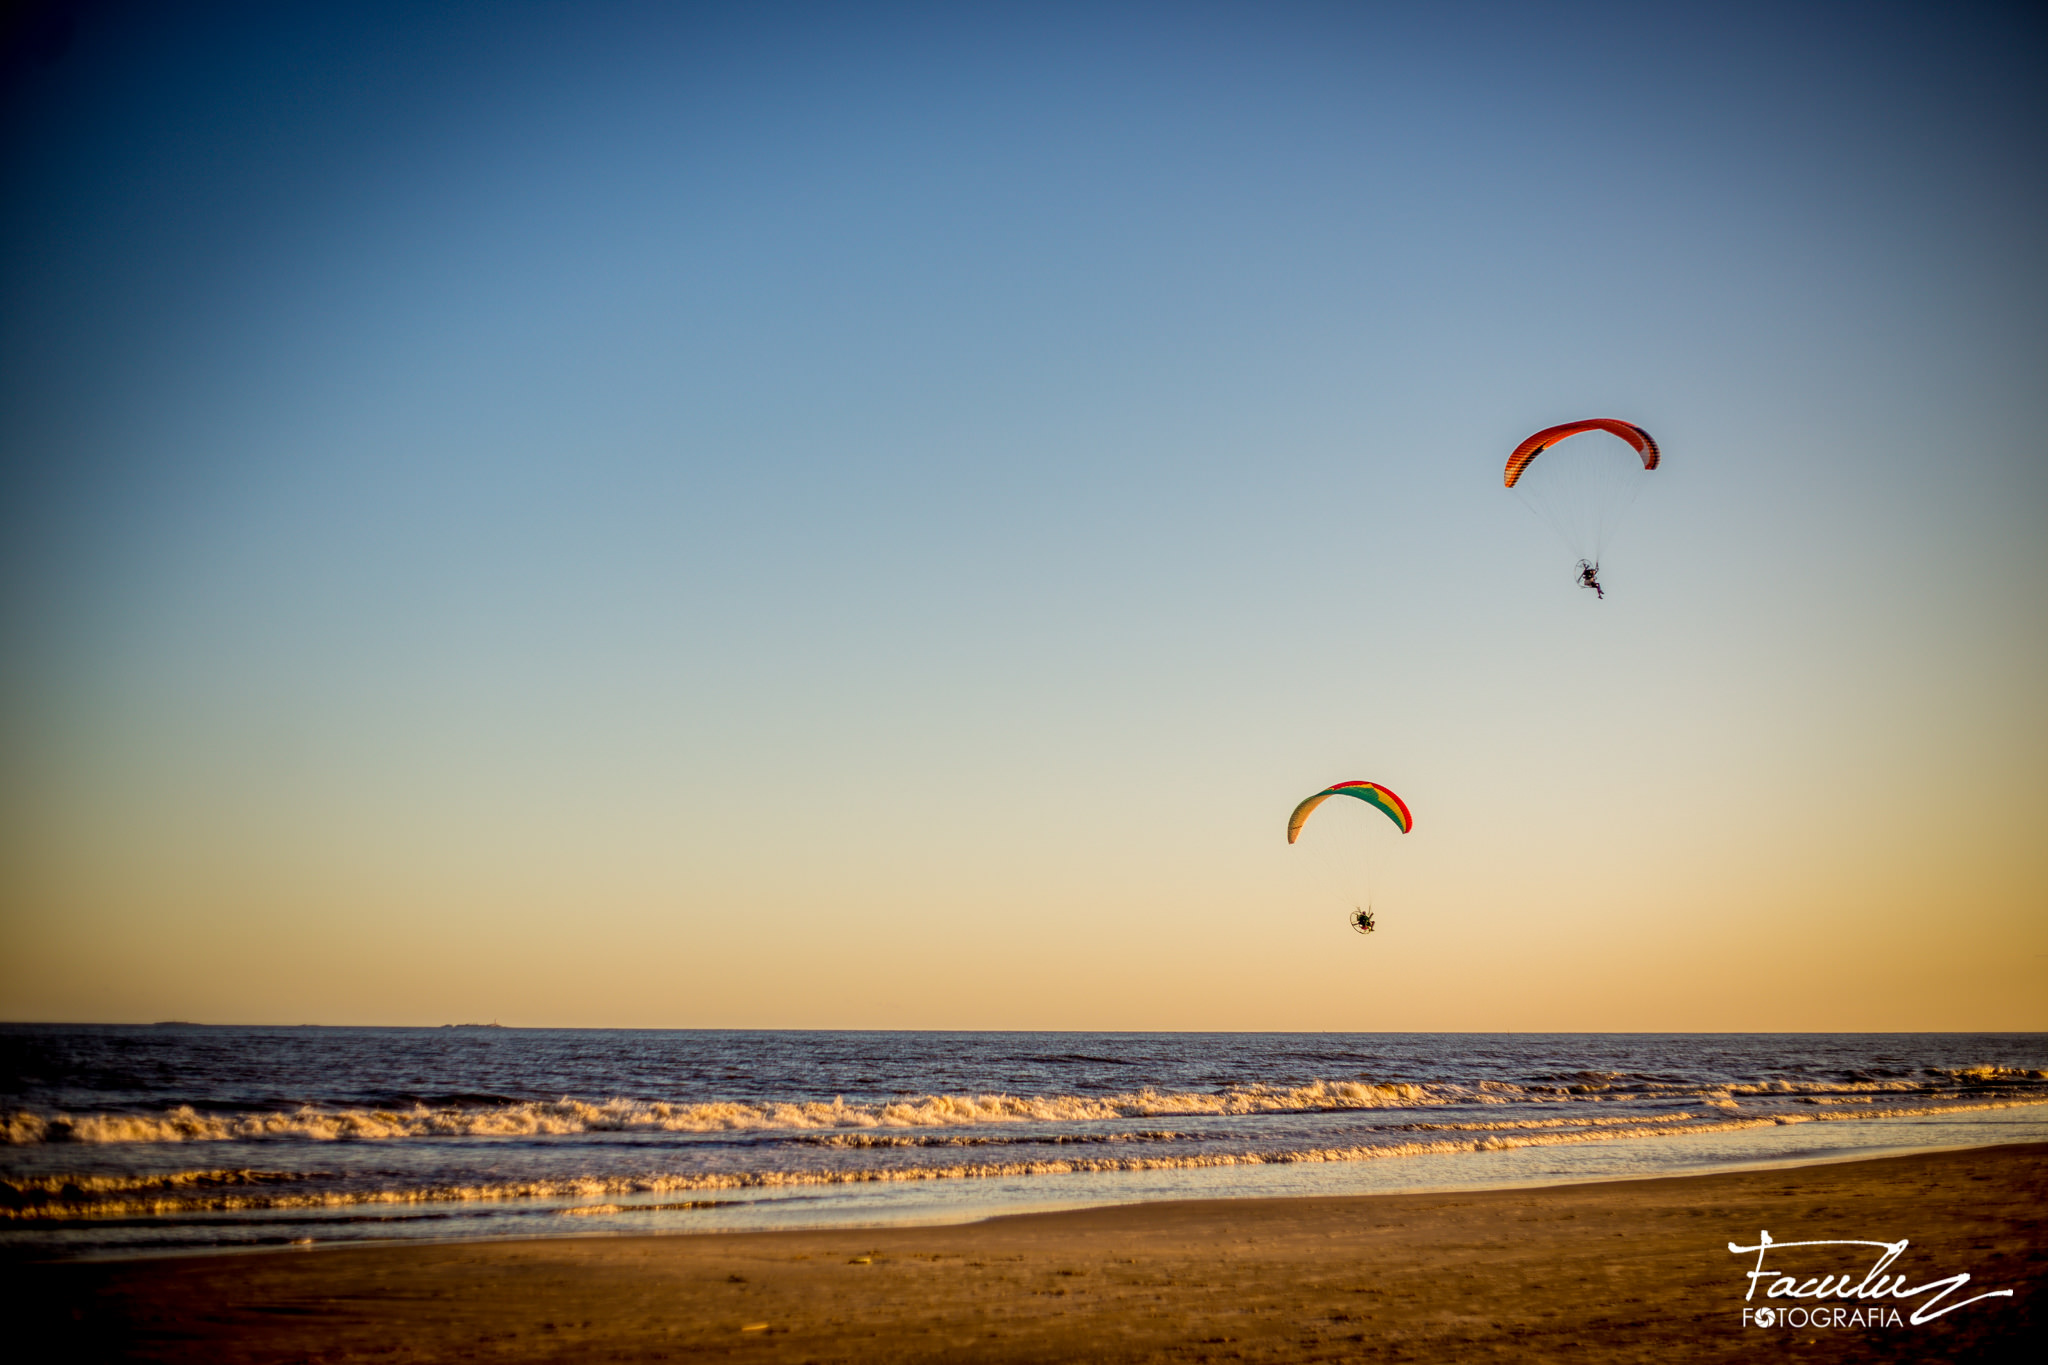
119 1140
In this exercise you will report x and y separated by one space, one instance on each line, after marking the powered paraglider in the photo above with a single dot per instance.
1349 850
1583 488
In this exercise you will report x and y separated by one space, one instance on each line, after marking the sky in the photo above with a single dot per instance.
871 515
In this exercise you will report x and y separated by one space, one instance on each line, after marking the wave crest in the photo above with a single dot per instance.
568 1116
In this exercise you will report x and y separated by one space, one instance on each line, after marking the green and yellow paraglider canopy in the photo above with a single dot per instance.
1372 793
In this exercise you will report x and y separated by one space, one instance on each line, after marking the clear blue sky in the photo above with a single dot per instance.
872 514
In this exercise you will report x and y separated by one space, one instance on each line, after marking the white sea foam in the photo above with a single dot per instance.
168 1180
875 1140
1575 1121
26 1193
161 1198
568 1116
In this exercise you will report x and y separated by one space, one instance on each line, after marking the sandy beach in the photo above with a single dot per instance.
1112 682
1635 1270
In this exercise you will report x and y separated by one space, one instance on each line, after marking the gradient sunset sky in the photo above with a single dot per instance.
871 515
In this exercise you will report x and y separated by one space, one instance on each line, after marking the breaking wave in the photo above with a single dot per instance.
874 1140
569 1116
74 1198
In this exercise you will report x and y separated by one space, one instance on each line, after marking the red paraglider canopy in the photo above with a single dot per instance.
1644 443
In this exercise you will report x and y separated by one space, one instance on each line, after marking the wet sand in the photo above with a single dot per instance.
1637 1270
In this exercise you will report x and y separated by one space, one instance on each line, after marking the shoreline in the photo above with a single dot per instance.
1053 1205
939 1198
1607 1268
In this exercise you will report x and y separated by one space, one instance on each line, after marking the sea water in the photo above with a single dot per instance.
141 1140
